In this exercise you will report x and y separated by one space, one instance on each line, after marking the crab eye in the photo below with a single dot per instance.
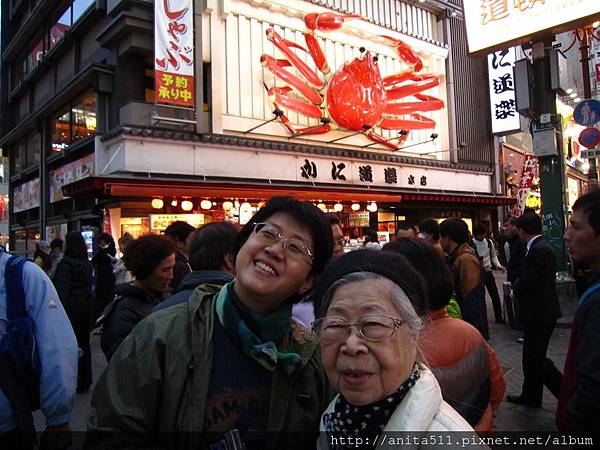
375 59
362 49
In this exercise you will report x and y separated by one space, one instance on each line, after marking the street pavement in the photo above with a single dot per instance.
503 339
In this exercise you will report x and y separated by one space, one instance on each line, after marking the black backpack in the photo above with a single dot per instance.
19 359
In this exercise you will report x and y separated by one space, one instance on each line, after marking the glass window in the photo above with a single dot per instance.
84 116
20 156
34 145
35 56
61 130
18 70
81 6
57 31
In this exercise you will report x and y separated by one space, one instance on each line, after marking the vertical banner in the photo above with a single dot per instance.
174 52
596 52
529 168
505 117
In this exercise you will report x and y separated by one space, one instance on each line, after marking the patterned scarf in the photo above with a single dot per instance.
257 334
366 422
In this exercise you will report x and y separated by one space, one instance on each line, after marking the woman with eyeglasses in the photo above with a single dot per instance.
372 310
229 365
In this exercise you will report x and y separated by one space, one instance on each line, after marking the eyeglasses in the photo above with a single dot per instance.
373 328
339 242
294 248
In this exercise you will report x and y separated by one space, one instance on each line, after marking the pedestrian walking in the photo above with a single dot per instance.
579 403
73 281
486 250
187 365
151 260
535 292
467 273
33 300
122 275
181 233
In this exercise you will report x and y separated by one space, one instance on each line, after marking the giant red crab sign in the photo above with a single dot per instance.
355 97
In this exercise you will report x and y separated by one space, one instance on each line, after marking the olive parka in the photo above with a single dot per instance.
153 393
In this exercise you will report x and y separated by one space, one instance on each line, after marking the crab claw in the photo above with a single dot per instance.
405 52
327 21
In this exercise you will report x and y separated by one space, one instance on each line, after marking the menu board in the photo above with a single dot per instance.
359 219
159 222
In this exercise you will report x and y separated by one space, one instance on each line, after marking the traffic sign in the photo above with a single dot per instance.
590 137
591 153
587 113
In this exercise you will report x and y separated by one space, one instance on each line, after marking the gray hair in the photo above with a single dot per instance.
413 322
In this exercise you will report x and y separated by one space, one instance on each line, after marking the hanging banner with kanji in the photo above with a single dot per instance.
529 172
174 52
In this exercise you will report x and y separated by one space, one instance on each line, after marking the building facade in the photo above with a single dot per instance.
95 142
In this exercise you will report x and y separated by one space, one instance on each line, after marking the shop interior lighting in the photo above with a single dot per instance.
174 202
355 207
227 206
187 205
157 203
205 204
338 207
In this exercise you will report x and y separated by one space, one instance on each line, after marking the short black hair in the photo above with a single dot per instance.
146 253
56 243
307 215
430 226
479 229
530 223
590 205
210 244
75 245
179 230
333 219
432 267
456 229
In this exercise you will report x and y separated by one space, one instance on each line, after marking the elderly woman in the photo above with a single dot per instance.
369 322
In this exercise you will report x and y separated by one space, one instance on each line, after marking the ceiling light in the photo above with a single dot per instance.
157 203
187 205
205 204
338 207
355 207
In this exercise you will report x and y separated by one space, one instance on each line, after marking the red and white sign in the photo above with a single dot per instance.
596 52
529 170
174 52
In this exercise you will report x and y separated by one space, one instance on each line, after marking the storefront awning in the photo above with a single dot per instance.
122 187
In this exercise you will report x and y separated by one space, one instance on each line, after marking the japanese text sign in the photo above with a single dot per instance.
502 91
492 24
529 172
174 52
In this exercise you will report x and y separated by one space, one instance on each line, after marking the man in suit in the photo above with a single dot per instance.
535 292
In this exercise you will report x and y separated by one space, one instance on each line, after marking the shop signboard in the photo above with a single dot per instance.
591 153
359 219
529 170
596 53
587 113
69 173
26 196
505 117
174 52
494 24
159 222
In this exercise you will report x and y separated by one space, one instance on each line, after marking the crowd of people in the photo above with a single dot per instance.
272 336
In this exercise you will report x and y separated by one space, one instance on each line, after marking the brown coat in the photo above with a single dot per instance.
466 269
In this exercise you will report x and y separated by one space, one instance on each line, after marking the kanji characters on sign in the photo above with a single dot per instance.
174 52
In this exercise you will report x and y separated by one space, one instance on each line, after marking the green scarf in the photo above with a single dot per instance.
257 334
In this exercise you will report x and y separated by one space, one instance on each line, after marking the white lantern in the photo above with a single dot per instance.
205 204
187 205
355 207
157 203
322 207
227 206
338 207
372 207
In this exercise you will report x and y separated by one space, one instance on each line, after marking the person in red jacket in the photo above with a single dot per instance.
464 364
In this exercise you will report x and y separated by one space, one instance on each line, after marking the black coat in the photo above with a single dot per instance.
130 306
73 282
517 249
535 289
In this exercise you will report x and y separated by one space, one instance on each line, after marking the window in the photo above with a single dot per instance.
74 122
58 30
18 70
34 147
20 156
34 55
80 7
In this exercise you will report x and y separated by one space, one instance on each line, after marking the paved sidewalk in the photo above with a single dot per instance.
503 339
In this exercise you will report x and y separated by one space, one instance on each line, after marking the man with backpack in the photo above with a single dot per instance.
489 259
38 357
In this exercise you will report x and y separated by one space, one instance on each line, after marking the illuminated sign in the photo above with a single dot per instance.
174 52
162 221
503 105
493 24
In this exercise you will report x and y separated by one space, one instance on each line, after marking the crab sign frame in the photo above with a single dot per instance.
355 97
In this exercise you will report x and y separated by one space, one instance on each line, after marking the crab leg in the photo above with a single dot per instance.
413 88
405 52
279 96
317 129
302 67
381 140
272 64
427 103
419 123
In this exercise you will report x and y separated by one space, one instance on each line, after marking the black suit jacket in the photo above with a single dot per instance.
535 289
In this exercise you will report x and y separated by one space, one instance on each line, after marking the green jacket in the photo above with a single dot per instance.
153 393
